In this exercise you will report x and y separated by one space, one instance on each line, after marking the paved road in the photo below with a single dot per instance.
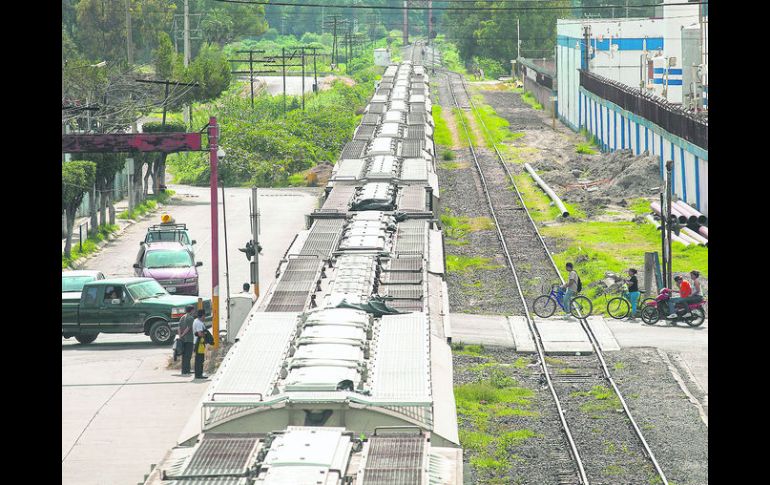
274 84
122 410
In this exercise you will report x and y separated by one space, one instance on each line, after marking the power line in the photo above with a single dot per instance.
451 9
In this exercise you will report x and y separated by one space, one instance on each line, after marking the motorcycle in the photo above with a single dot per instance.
658 310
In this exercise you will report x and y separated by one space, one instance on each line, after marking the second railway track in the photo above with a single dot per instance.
607 446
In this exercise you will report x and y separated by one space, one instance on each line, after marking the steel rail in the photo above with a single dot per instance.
530 323
583 321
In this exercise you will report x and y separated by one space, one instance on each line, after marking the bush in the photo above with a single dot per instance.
492 69
448 155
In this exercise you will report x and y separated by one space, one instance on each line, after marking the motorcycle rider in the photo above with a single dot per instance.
686 294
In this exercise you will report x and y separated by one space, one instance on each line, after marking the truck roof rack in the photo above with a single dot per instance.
167 227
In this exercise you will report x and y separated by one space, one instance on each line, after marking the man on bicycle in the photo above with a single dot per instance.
570 288
685 294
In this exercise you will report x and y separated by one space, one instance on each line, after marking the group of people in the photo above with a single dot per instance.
687 294
192 331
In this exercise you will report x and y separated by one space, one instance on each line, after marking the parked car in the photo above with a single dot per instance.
125 305
169 232
172 264
72 281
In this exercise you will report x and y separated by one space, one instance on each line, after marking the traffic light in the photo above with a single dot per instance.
249 250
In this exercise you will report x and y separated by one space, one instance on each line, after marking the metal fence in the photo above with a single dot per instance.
670 117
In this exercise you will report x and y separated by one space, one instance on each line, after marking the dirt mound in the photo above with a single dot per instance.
594 181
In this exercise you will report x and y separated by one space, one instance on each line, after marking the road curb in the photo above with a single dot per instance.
78 263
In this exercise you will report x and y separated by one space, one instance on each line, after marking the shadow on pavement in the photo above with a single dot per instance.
73 344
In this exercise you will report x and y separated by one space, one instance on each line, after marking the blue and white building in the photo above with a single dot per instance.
644 54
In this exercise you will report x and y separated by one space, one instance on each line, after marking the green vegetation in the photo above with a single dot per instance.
450 56
529 98
77 176
481 405
604 400
466 263
639 206
585 148
457 228
441 136
447 155
266 147
521 363
462 119
89 245
149 204
619 366
496 131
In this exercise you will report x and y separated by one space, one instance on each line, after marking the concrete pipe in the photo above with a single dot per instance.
674 237
694 235
556 200
679 216
652 221
702 219
693 216
703 231
687 238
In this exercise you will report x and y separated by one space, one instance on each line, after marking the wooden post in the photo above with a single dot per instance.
649 271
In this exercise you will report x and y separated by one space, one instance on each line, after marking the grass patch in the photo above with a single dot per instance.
460 114
597 247
521 363
149 204
530 99
457 228
90 245
604 400
639 206
585 148
619 366
448 155
496 130
441 136
467 263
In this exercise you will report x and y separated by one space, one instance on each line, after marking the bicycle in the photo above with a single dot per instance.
545 305
620 306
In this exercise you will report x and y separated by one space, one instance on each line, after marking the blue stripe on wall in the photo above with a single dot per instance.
671 82
615 130
622 132
646 144
662 70
638 151
629 44
580 110
661 157
697 183
601 126
684 178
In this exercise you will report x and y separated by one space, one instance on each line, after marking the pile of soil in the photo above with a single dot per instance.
594 181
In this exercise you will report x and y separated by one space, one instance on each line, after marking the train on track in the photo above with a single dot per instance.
342 374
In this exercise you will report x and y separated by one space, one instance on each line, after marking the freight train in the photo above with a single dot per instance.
342 374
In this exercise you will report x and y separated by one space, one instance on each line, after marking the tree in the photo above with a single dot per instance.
164 57
107 166
77 178
212 71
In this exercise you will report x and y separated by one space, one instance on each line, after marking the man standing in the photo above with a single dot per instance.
570 288
186 338
199 329
246 291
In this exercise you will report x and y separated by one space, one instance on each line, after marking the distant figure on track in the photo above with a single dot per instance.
570 288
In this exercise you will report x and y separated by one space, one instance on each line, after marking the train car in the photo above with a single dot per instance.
343 372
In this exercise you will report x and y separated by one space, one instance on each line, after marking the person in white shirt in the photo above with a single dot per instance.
199 329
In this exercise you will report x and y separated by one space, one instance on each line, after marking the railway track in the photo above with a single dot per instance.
617 452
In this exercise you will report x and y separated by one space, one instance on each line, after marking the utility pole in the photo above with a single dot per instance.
302 56
283 64
213 132
669 169
128 32
227 260
254 266
664 222
405 33
587 44
187 110
251 70
518 40
167 83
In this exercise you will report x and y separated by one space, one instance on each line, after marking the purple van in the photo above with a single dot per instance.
171 264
